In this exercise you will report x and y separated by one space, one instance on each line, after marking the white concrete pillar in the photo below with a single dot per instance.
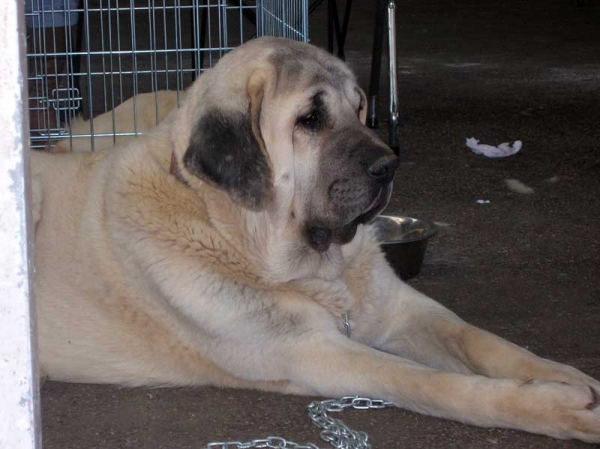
19 403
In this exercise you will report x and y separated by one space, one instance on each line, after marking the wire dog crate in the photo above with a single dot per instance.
87 57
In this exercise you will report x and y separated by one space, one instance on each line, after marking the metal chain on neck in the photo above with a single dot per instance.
333 431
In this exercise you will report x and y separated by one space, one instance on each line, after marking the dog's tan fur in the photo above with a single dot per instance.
145 278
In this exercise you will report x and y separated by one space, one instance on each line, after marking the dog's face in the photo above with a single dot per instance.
343 172
281 129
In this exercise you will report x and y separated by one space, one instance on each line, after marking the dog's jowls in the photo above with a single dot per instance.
224 246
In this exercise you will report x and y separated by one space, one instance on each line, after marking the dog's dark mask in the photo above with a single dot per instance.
355 191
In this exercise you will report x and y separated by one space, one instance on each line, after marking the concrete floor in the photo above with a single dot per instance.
523 266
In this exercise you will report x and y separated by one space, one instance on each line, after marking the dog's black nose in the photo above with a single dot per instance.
383 168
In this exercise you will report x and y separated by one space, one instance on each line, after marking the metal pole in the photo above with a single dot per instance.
330 25
393 126
19 389
379 6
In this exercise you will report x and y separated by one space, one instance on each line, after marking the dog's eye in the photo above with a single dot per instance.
310 121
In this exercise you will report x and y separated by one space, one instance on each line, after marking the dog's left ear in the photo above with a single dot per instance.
227 149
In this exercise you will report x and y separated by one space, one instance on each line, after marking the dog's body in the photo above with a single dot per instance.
222 248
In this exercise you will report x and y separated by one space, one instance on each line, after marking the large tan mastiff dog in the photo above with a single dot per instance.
225 246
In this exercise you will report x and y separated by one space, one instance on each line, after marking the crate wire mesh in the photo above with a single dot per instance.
86 57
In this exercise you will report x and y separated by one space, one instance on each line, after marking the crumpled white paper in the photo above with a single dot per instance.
502 150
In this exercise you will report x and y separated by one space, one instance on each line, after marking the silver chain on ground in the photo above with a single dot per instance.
334 431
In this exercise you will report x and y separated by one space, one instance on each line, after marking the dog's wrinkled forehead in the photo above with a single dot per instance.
301 64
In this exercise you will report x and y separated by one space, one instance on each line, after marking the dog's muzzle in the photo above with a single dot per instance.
320 238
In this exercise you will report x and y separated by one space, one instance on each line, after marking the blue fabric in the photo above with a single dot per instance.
51 13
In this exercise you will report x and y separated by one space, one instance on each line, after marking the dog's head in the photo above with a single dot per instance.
279 126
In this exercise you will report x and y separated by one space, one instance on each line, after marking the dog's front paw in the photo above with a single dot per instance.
561 410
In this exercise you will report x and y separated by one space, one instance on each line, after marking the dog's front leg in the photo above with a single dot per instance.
405 322
337 366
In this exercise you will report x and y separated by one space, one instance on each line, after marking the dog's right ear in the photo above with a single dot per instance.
226 149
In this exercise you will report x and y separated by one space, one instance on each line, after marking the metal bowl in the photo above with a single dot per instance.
404 242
